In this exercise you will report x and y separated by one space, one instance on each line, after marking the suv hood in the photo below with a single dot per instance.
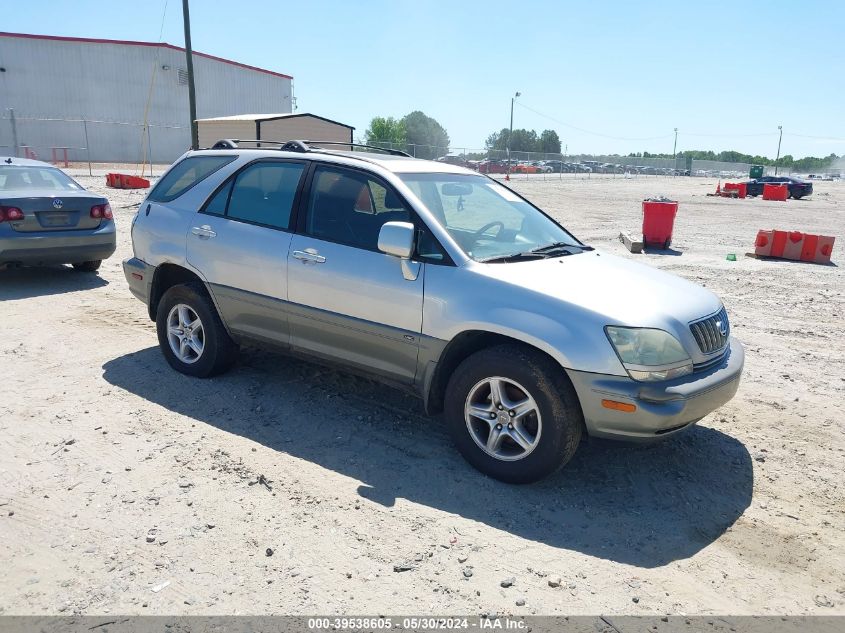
615 290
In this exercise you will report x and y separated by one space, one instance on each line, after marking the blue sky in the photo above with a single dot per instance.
607 76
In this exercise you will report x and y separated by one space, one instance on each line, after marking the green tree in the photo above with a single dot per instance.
524 141
426 136
549 142
497 140
386 132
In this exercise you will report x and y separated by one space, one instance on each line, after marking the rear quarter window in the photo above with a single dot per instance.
186 175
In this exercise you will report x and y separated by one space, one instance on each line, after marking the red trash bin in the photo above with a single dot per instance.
658 222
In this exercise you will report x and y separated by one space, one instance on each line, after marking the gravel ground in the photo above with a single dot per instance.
286 487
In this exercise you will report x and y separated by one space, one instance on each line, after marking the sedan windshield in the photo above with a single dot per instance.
35 178
488 221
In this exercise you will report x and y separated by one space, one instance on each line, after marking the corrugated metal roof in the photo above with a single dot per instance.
91 40
245 117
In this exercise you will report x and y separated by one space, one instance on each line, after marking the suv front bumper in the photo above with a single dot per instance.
662 408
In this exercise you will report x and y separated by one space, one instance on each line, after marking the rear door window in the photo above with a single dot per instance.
186 175
263 193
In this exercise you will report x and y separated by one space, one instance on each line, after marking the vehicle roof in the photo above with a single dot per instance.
23 162
390 162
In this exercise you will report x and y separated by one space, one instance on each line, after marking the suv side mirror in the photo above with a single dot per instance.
397 239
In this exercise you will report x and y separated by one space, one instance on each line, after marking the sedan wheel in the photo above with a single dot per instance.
185 333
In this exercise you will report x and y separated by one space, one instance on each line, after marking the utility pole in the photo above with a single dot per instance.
192 96
510 134
675 154
780 137
14 125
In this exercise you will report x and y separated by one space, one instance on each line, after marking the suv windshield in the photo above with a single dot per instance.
487 220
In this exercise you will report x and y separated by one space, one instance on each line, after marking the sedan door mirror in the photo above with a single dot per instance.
397 239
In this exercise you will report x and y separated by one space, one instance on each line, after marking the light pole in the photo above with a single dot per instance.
675 146
510 133
777 158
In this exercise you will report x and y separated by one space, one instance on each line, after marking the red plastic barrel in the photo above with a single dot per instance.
658 222
775 192
740 187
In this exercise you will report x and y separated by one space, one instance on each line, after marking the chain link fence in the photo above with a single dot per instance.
562 165
63 141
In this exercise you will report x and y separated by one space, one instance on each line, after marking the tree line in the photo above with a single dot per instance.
424 137
806 164
546 142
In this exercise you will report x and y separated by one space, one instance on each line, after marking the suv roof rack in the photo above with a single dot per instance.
302 146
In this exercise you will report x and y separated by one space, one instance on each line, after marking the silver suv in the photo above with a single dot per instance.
435 279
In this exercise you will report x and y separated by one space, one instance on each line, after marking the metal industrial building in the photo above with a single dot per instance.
274 127
56 90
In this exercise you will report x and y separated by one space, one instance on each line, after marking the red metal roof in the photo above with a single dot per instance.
91 40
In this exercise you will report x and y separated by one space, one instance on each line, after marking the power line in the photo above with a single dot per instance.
821 138
665 136
616 138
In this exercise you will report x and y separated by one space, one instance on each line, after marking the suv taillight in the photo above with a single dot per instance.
101 211
10 214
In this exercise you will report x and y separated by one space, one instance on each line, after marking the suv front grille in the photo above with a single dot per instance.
711 333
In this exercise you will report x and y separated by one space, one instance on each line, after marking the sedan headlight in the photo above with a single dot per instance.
649 354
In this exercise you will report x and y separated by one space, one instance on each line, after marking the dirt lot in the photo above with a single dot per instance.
284 487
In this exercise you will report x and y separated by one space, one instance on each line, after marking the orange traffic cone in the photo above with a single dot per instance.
719 188
507 177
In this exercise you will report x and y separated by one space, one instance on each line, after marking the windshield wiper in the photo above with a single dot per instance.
548 249
513 257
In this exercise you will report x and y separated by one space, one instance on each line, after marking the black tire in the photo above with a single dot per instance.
219 350
88 267
557 403
797 196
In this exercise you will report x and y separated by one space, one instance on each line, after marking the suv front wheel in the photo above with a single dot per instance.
191 334
513 413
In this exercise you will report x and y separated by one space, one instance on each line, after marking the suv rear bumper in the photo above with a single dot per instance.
139 276
661 408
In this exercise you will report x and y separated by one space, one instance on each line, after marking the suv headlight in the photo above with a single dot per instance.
649 354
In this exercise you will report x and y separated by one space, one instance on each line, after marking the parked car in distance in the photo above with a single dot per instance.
453 159
524 167
46 217
798 187
557 166
492 167
435 279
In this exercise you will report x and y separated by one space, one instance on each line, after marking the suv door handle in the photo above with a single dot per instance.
306 256
203 231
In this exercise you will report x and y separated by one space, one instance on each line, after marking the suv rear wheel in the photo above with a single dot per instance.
513 414
191 334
